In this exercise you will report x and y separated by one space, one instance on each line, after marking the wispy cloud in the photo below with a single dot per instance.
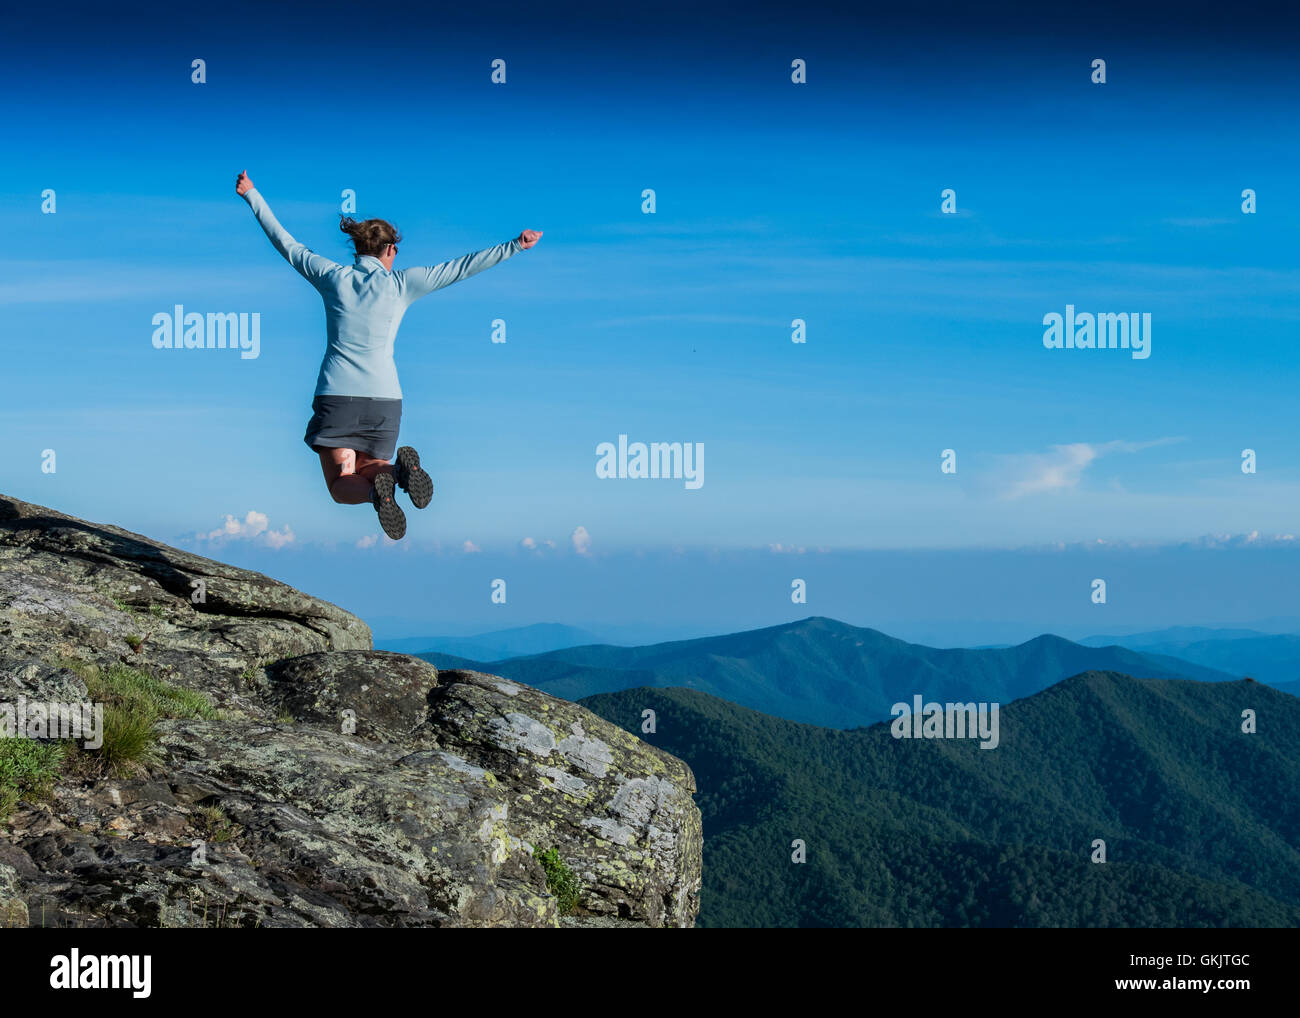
691 319
88 281
641 228
1198 222
1254 539
1059 469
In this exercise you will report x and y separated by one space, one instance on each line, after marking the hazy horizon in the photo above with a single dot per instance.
627 634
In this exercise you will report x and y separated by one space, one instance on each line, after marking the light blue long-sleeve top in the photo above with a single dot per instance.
364 304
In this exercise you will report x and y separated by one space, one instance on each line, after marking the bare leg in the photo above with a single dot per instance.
348 474
368 466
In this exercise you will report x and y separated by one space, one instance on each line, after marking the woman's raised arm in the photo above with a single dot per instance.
311 266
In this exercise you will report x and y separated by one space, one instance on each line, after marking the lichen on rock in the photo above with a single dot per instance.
337 785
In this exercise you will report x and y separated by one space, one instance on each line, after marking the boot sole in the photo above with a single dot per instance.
391 517
419 485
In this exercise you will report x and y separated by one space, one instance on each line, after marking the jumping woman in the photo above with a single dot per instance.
358 403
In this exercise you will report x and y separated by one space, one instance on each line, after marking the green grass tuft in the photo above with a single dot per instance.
27 771
133 703
146 696
213 824
560 880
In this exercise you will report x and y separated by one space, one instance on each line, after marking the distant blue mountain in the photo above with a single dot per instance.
502 643
1267 657
825 672
1170 635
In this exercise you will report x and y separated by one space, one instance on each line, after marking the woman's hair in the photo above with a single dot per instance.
370 236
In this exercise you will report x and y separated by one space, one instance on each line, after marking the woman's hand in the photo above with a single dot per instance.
243 185
528 238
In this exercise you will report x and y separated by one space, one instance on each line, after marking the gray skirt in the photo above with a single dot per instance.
360 423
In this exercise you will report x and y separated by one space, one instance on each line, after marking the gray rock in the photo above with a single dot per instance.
384 695
68 587
619 811
341 787
13 909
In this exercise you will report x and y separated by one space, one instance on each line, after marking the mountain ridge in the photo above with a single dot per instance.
821 671
498 644
1270 657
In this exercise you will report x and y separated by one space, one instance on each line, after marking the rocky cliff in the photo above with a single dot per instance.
290 775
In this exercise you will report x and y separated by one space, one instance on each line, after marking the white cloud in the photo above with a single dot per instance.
253 524
1060 469
528 543
581 541
382 541
279 538
255 527
1254 539
1218 542
471 548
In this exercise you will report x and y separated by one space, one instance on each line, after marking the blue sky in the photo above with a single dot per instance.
775 202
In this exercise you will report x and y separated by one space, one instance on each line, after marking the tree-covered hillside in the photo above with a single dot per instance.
1201 821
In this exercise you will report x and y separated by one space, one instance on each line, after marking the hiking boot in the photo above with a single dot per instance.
391 517
411 478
